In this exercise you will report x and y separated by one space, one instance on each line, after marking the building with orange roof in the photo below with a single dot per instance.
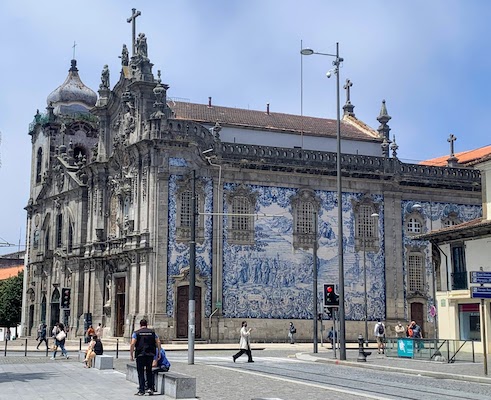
466 158
118 179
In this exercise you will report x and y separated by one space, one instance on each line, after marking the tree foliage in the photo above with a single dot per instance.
11 300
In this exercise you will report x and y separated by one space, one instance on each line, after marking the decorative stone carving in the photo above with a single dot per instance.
105 78
124 56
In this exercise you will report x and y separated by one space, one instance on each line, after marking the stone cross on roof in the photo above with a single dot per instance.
452 160
347 87
132 20
451 139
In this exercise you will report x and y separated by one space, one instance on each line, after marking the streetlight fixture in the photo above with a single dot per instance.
374 215
342 324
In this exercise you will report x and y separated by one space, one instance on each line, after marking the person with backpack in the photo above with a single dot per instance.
291 331
379 333
143 347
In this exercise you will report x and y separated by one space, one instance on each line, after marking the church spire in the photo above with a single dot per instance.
383 118
348 107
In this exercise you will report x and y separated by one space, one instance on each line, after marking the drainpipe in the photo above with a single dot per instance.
209 324
447 273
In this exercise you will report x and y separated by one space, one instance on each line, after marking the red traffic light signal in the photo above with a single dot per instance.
331 299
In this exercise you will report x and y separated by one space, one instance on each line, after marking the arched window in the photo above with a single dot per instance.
59 230
70 237
39 163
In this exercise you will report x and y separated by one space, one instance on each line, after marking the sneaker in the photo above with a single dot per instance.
233 358
140 393
250 361
150 392
67 357
52 358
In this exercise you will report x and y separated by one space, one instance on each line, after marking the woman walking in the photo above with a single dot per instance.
245 344
59 336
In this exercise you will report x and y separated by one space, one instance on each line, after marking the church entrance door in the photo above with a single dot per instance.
182 312
417 314
120 306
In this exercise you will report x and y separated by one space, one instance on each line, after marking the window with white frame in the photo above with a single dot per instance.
413 225
415 272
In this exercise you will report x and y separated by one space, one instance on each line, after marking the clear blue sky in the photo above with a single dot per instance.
430 60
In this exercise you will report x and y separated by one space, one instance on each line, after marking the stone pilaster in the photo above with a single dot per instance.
394 274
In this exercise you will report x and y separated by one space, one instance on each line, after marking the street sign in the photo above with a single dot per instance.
478 292
480 277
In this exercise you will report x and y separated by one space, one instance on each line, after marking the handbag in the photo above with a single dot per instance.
61 336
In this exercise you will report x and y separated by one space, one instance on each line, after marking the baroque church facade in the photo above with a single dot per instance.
110 211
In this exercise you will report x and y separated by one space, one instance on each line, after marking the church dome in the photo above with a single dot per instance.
72 95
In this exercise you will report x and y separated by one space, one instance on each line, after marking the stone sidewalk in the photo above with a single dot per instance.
38 377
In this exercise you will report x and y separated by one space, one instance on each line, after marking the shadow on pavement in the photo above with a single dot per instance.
23 376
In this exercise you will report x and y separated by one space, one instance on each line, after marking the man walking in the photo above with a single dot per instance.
244 344
42 336
144 345
379 332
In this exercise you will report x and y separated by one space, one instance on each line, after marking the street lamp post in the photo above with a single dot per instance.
342 324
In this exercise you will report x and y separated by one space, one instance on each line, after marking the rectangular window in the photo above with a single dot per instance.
305 218
366 223
240 206
469 322
459 274
185 209
415 273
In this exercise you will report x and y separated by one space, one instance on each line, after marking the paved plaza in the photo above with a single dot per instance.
37 377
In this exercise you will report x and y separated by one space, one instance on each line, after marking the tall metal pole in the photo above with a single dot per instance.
342 323
314 282
484 338
192 272
365 286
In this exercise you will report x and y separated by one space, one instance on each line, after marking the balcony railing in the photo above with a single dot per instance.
459 281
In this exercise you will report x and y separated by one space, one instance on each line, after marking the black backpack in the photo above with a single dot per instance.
381 329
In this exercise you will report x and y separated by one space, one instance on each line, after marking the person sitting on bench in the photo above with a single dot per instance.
162 363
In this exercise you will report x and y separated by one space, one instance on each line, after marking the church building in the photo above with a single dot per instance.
113 179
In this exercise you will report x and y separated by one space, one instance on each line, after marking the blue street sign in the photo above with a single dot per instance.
478 292
480 277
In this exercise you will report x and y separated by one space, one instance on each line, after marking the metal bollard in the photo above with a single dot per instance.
362 354
80 345
47 347
25 349
117 347
5 352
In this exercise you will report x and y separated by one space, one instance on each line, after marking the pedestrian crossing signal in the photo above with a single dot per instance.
331 299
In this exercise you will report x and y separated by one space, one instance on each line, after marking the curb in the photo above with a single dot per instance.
430 374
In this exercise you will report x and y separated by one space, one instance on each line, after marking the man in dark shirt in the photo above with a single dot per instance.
144 344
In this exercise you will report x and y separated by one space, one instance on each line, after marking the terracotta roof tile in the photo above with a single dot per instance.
9 272
273 121
468 157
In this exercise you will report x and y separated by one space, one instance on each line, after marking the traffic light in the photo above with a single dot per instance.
65 297
331 299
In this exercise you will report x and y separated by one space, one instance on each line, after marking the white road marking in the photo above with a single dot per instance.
326 386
